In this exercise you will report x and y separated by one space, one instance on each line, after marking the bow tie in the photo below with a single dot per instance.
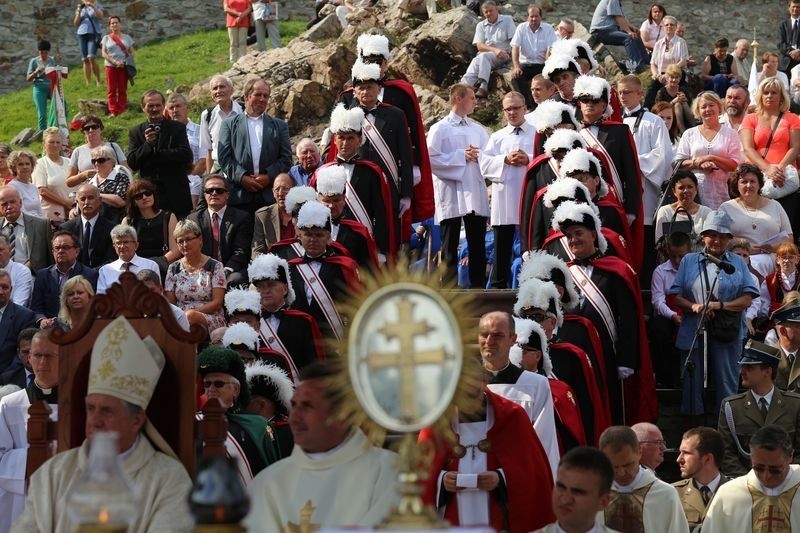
343 161
587 260
269 314
307 259
597 123
367 111
634 114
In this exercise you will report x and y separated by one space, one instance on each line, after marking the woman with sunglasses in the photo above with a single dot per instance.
112 181
22 163
154 226
80 164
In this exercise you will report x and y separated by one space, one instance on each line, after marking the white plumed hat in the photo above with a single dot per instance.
241 334
346 120
570 214
559 63
365 72
594 87
575 48
314 215
538 294
331 180
563 139
371 44
297 196
580 161
564 190
552 113
530 332
242 301
266 379
271 267
547 267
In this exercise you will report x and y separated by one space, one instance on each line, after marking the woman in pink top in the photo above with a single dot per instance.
237 21
773 156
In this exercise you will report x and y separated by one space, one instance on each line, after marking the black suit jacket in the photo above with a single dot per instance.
14 375
101 250
366 182
15 319
785 43
391 123
165 164
39 234
296 334
44 301
616 138
235 236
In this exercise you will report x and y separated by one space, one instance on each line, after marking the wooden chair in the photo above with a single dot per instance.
174 403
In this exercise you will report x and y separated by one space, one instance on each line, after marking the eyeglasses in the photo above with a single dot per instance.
787 258
186 240
589 100
773 470
513 108
36 355
217 384
215 190
90 127
659 442
99 160
63 247
140 195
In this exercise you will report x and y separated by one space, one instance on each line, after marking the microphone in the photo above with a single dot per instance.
725 266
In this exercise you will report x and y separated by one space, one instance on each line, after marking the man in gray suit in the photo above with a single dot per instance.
787 324
251 181
31 235
272 222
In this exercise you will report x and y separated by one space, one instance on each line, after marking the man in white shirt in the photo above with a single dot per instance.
493 41
565 28
221 88
178 109
530 47
21 278
454 144
742 62
125 243
737 100
639 500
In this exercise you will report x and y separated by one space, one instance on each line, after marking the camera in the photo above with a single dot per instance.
155 127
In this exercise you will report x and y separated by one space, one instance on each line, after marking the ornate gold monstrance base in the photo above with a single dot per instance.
412 513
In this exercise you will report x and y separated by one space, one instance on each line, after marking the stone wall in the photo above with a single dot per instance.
25 21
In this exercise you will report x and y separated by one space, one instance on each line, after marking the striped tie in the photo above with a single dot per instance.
8 231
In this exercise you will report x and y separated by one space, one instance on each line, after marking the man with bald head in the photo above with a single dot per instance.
496 335
651 444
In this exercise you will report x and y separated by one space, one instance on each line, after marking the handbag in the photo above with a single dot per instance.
724 325
790 185
98 37
130 67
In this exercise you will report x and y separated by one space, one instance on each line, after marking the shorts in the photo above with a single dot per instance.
88 45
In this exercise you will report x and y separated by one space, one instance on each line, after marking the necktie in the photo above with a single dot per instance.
517 130
31 377
215 236
790 357
462 122
10 237
705 493
126 266
87 238
795 31
762 404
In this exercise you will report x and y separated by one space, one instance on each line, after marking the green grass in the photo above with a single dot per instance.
167 65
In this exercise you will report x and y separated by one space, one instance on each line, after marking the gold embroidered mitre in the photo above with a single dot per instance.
123 365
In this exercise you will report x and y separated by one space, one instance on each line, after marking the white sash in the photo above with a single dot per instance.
553 166
298 249
376 139
273 342
357 207
323 297
565 244
592 142
592 293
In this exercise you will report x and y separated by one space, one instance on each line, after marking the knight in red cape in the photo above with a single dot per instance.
495 474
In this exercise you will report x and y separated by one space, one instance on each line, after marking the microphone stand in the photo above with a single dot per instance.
688 364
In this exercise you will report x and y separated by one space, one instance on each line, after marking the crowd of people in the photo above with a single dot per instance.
648 234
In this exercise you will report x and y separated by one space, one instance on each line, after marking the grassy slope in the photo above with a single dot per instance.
165 65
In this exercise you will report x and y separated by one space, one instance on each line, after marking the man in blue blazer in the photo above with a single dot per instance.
13 319
251 181
48 282
100 250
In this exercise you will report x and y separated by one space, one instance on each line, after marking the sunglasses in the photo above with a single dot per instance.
217 384
90 127
143 194
215 190
589 100
100 160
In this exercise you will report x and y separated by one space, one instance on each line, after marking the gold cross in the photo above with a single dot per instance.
406 330
305 525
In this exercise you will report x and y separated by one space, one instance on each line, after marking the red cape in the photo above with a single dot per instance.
348 267
600 413
641 402
288 242
568 412
362 230
386 194
516 449
597 347
319 343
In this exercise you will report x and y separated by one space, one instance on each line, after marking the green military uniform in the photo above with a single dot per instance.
692 500
788 375
740 415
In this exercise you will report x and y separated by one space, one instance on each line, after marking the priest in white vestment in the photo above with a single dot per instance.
639 500
334 476
123 374
766 498
496 335
14 425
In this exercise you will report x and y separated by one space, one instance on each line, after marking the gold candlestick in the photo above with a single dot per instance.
754 46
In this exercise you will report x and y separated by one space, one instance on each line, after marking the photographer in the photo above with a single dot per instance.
88 15
159 150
